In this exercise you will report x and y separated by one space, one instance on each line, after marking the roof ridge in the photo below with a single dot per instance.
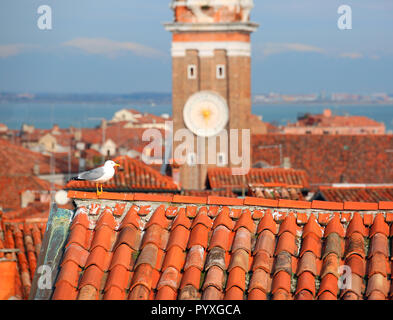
247 201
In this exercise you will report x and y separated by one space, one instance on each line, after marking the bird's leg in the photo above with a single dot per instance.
101 188
98 193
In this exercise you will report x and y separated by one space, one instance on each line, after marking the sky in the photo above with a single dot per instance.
121 46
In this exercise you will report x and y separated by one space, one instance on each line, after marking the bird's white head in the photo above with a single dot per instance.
111 164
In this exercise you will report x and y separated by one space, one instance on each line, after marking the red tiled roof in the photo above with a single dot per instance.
276 191
330 159
135 175
23 239
11 188
320 120
16 160
223 177
359 194
223 248
225 192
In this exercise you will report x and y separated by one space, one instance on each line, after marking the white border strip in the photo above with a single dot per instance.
206 49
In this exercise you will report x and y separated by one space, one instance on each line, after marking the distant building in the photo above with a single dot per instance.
327 123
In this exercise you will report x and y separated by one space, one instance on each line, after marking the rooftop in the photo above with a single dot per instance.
330 159
134 176
20 245
141 246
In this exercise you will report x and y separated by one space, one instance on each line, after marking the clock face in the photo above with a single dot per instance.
206 114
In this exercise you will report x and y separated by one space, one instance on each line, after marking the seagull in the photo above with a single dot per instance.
99 175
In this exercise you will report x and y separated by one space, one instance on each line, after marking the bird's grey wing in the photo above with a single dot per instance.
93 174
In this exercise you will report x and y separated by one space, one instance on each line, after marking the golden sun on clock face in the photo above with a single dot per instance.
206 114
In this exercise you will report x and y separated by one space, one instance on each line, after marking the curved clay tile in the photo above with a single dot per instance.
212 293
159 218
114 293
326 295
189 292
266 242
262 260
69 273
356 225
131 218
378 263
139 292
245 221
100 258
356 245
191 277
312 227
170 277
88 292
181 219
242 240
379 243
329 283
281 280
92 276
334 226
195 257
80 236
356 286
223 218
307 263
330 265
377 282
175 257
311 243
122 256
143 275
148 255
103 237
202 218
304 295
106 219
281 294
267 222
118 277
236 277
214 277
75 253
289 225
130 236
199 236
178 237
166 293
379 226
283 262
357 264
306 281
81 218
220 238
257 294
64 291
333 244
234 293
261 280
286 242
191 211
240 259
376 295
156 235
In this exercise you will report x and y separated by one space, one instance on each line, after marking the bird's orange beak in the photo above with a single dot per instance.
117 165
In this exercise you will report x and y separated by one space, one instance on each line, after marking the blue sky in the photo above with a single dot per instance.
120 46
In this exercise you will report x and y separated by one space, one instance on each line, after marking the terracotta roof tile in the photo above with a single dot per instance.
218 256
135 176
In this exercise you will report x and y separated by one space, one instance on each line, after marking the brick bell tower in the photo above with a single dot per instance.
211 77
